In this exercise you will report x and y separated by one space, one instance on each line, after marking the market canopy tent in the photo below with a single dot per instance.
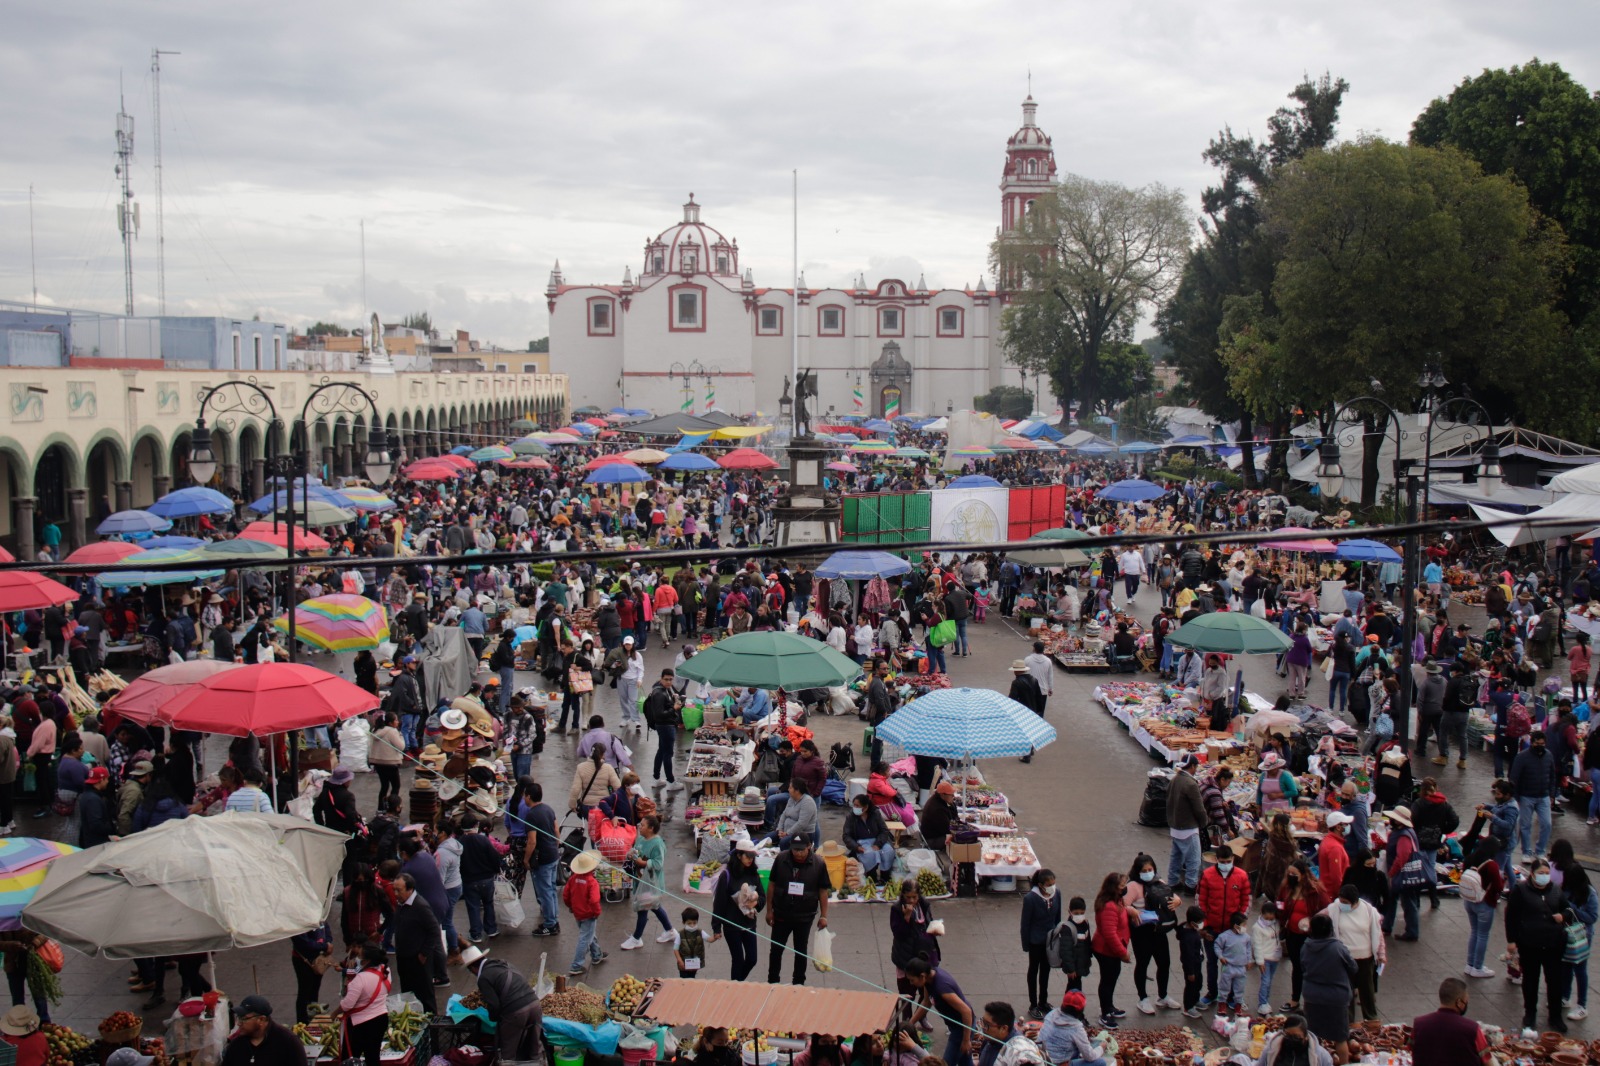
966 723
1230 633
770 660
233 880
773 1008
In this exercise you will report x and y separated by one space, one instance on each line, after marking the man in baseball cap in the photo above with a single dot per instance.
262 1041
797 895
94 814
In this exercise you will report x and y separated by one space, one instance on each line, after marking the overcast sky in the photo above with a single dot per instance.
481 142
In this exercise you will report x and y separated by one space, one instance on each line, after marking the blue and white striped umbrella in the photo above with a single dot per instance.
966 723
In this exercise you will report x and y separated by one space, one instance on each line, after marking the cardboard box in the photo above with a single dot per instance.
960 853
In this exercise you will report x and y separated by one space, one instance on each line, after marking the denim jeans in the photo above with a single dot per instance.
1338 690
961 636
544 890
876 857
1407 900
1529 807
586 943
936 663
1480 919
953 1055
1130 585
642 919
480 908
628 699
1183 865
508 681
1268 970
452 896
408 730
521 765
666 742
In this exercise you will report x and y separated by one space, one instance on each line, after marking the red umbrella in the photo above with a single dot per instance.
303 537
599 423
21 590
606 434
152 690
569 431
264 699
606 460
460 462
103 551
7 557
431 472
747 459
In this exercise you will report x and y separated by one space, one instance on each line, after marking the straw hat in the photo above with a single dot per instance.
19 1020
1401 815
585 862
831 849
472 955
484 803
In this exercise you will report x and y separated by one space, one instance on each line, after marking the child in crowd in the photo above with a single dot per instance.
690 949
1266 951
1234 948
1079 955
1192 957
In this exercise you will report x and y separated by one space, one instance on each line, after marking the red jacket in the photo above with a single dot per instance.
1332 861
1222 899
1111 929
582 896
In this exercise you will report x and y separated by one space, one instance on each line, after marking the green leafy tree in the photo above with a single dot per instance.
1237 258
327 329
419 320
1005 401
540 345
1393 257
1084 262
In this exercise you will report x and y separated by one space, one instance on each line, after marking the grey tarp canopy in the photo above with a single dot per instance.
447 665
232 880
673 425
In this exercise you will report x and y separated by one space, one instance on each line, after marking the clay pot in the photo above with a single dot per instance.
1551 1040
1568 1058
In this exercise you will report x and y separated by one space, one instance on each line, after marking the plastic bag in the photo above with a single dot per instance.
401 1002
822 950
459 1014
507 904
354 744
544 984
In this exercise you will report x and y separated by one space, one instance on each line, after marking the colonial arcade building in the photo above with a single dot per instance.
693 331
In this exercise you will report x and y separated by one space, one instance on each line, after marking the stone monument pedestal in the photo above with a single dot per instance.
807 513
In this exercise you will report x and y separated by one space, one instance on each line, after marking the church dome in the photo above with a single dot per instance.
691 247
1029 135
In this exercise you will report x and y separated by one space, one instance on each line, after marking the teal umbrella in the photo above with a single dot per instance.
1230 633
770 660
1057 550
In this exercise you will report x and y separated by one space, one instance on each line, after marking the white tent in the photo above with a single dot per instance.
1446 435
1583 479
1575 515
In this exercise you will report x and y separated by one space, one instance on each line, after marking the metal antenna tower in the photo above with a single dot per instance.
161 236
127 210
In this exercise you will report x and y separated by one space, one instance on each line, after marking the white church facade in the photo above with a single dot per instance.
692 332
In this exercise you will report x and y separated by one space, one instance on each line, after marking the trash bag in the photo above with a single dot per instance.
508 910
354 743
1153 809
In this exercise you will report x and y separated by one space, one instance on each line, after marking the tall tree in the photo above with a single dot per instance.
1236 258
1084 261
418 320
327 329
1393 257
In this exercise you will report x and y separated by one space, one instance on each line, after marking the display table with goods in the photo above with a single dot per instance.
322 1035
1159 717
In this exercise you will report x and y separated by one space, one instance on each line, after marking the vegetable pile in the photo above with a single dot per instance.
576 1004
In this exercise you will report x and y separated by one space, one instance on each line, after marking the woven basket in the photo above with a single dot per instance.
123 1037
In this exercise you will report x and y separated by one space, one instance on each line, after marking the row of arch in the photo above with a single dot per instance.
74 484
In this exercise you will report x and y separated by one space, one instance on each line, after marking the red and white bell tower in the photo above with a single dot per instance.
1030 168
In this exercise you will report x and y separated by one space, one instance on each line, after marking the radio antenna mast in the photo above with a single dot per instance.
127 210
161 236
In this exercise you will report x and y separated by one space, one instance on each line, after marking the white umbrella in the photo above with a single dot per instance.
198 884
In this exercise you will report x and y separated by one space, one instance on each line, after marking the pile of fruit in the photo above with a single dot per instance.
404 1028
319 1032
576 1004
627 992
65 1046
120 1021
472 1000
930 884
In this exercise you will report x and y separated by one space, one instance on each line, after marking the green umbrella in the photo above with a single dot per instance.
242 551
1056 553
770 660
529 446
1231 633
524 425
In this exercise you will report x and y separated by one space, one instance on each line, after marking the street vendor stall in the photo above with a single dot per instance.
768 1008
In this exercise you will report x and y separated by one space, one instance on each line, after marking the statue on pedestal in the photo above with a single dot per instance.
805 388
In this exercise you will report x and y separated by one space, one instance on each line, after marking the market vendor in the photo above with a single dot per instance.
754 704
19 1027
260 1041
938 814
866 837
511 1004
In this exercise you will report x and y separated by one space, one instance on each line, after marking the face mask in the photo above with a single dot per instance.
1147 876
637 790
1047 891
1077 916
1224 868
1541 879
689 926
1347 907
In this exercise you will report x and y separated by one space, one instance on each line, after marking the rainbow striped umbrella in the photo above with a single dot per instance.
340 622
23 863
367 499
880 446
972 451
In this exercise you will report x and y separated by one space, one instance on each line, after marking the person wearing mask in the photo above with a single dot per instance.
1112 944
629 673
797 895
1152 915
1292 1045
867 838
649 866
1537 913
95 822
1186 817
1447 1037
598 737
1224 891
1041 914
810 769
663 711
1299 899
799 816
363 1010
1333 854
1359 927
1405 886
737 899
1585 908
480 861
1482 884
1533 779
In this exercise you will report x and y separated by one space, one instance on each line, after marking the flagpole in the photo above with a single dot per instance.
794 355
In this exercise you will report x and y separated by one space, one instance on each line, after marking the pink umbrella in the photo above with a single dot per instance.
103 551
266 698
1316 545
152 690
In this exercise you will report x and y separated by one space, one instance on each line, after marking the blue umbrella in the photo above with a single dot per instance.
878 425
974 481
966 723
1139 447
302 495
1366 551
1133 490
125 522
461 449
171 541
1095 447
688 461
861 565
616 474
196 500
850 437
